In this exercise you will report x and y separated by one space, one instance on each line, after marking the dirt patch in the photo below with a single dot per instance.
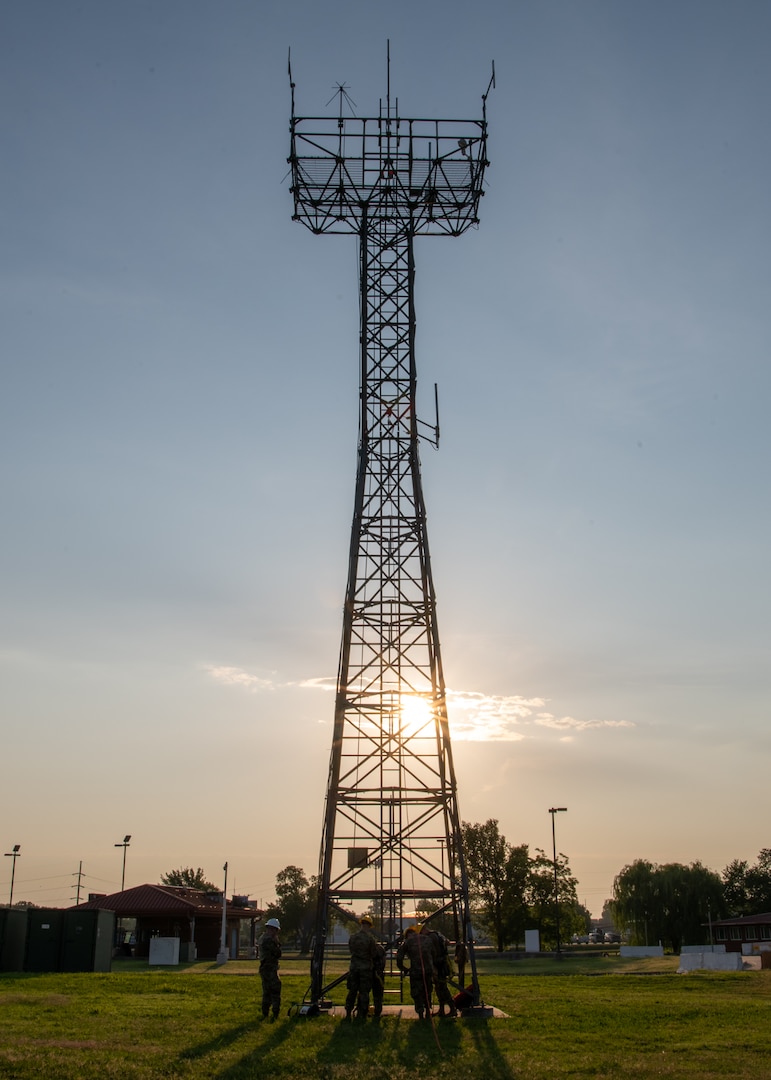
51 1000
72 1044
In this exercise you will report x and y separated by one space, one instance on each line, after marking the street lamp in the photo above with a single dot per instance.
222 955
556 810
15 854
124 844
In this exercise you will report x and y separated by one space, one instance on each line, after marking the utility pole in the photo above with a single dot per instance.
79 876
15 854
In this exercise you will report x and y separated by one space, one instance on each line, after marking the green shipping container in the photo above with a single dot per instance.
44 939
87 940
13 938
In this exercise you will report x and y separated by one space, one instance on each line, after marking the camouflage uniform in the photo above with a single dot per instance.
363 948
378 979
439 947
270 954
417 949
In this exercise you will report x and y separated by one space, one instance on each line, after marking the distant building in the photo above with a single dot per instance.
754 930
175 911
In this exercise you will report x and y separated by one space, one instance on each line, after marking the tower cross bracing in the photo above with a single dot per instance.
391 841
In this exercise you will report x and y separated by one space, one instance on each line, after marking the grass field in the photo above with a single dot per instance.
202 1022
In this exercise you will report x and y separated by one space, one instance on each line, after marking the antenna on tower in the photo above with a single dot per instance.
490 86
291 80
342 93
388 78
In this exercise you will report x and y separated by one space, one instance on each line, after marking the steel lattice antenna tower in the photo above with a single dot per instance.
391 835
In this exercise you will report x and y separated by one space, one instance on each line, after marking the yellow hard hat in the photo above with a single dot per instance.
365 920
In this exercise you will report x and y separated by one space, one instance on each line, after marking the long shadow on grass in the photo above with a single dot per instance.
349 1041
249 1064
349 1037
393 1042
492 1063
222 1040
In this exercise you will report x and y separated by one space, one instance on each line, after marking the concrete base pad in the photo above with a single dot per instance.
407 1012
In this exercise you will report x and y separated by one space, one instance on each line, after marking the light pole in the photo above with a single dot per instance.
222 955
15 854
556 810
124 844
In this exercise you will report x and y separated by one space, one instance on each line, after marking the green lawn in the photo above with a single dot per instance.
202 1022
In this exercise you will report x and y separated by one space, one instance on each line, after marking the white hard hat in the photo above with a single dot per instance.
273 922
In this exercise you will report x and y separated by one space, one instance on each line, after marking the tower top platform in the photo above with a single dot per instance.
423 176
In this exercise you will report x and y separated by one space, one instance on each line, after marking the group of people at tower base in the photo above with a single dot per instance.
423 955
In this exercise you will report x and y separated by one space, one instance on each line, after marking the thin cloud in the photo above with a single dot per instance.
324 682
474 716
477 717
232 676
569 723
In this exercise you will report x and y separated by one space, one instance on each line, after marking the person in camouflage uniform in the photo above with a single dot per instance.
441 958
270 954
416 955
361 974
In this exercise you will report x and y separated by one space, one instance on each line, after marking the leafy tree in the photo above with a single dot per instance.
633 902
444 922
189 878
542 907
541 891
735 890
668 903
516 913
607 918
487 854
760 881
747 889
579 918
512 889
295 906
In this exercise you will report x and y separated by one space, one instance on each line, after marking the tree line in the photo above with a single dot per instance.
675 903
512 890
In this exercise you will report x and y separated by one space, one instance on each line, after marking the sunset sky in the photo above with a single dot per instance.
178 421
